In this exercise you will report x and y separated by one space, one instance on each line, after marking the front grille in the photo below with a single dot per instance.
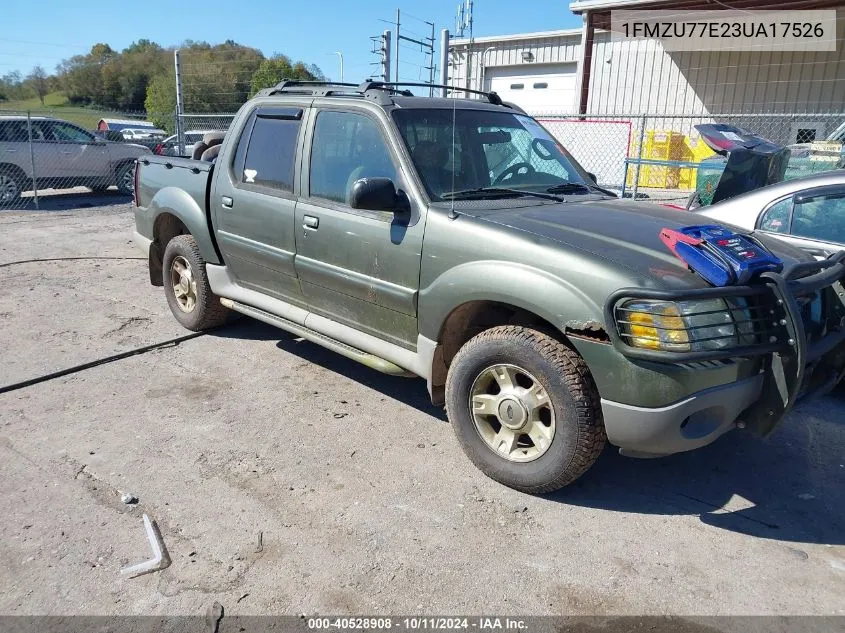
767 318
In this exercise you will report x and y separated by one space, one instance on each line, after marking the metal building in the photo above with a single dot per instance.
582 71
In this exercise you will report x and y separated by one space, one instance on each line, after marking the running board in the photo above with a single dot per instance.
370 360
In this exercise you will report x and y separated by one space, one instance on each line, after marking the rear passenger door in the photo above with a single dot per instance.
72 153
358 267
254 200
813 219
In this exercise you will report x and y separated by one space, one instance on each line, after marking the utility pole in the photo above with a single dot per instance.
470 51
431 65
396 55
180 106
444 60
385 55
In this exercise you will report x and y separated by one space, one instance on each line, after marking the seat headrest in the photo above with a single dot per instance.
213 138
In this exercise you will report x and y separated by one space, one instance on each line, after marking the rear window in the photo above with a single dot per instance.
270 153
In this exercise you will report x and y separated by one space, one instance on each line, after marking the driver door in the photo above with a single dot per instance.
358 267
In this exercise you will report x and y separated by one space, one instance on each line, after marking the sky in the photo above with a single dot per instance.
46 31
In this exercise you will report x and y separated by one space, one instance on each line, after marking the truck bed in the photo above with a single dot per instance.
189 176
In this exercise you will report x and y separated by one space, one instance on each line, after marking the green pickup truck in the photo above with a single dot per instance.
457 241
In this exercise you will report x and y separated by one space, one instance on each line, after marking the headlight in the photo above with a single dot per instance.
684 326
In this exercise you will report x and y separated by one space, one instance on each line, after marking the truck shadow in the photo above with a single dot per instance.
409 391
788 487
69 199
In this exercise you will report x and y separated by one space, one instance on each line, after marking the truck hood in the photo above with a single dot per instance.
623 233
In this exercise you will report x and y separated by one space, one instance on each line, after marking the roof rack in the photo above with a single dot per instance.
377 90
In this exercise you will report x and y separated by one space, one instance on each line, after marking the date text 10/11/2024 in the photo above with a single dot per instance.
418 623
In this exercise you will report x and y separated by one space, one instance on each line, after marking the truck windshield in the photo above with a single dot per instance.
462 150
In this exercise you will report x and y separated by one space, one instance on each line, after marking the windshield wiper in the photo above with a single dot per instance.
578 187
487 193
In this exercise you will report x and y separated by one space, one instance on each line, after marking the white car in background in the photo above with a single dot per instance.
170 145
137 134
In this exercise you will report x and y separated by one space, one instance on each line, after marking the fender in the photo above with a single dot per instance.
179 203
514 284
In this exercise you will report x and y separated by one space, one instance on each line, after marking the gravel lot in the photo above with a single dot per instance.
361 498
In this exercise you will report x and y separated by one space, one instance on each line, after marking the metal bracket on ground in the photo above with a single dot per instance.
160 559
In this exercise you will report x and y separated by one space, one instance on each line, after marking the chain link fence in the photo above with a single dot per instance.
662 157
646 157
43 154
192 128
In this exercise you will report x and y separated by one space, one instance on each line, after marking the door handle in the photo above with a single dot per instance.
310 222
66 152
227 202
11 151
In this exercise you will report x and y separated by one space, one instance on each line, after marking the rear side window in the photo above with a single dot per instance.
270 154
776 217
13 131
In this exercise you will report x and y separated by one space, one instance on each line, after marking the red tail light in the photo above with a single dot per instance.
135 188
158 149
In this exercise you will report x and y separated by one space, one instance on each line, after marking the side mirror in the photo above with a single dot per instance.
593 177
374 194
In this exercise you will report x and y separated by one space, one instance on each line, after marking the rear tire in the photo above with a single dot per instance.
126 179
186 286
525 409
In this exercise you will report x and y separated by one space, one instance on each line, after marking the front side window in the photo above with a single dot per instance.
820 218
346 147
66 133
270 154
460 150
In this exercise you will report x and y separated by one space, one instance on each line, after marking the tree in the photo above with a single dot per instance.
37 80
161 101
275 69
11 86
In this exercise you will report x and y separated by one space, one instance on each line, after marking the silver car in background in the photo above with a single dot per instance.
56 154
806 212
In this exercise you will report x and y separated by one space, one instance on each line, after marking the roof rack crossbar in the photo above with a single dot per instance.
492 97
315 88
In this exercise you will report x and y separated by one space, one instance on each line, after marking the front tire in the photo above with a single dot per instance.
525 409
10 187
186 286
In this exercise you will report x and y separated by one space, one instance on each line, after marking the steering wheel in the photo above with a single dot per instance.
513 170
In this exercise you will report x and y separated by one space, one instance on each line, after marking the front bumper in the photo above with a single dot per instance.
691 423
799 359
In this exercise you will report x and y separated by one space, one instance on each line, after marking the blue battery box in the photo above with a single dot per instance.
719 255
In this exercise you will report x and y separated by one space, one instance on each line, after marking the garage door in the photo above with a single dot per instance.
549 87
